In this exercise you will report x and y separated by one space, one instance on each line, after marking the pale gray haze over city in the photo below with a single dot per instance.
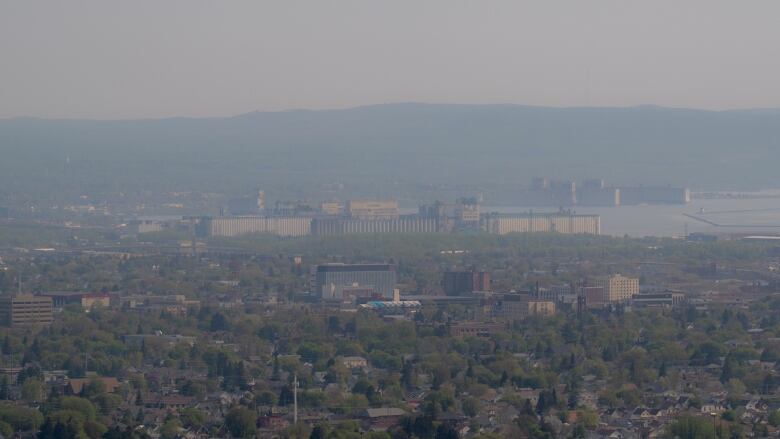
395 219
150 59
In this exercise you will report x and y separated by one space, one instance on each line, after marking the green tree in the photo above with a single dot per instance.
108 402
5 429
774 418
93 388
4 387
219 322
32 390
692 427
240 421
192 418
81 405
21 418
470 407
170 429
94 430
320 431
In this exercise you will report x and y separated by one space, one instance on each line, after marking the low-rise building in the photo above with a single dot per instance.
87 300
595 297
383 417
518 306
476 329
332 281
138 340
662 299
175 304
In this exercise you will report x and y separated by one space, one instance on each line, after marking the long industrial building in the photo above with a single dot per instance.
544 192
243 225
338 226
425 222
492 223
654 195
567 223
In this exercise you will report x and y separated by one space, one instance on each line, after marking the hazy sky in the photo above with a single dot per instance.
157 58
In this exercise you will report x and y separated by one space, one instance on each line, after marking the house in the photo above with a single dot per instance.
588 399
414 399
354 362
11 372
382 418
76 385
55 377
272 421
615 433
453 420
169 401
757 404
712 408
506 414
641 413
614 414
530 394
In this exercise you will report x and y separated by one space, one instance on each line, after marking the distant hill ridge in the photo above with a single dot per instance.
371 147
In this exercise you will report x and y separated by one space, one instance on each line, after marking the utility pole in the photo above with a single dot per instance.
295 399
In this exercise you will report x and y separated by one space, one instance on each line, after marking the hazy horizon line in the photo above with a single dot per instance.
399 103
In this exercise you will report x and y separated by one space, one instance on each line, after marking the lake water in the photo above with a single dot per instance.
733 215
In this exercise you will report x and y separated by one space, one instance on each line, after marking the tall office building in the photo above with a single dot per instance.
456 283
335 281
618 288
25 310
